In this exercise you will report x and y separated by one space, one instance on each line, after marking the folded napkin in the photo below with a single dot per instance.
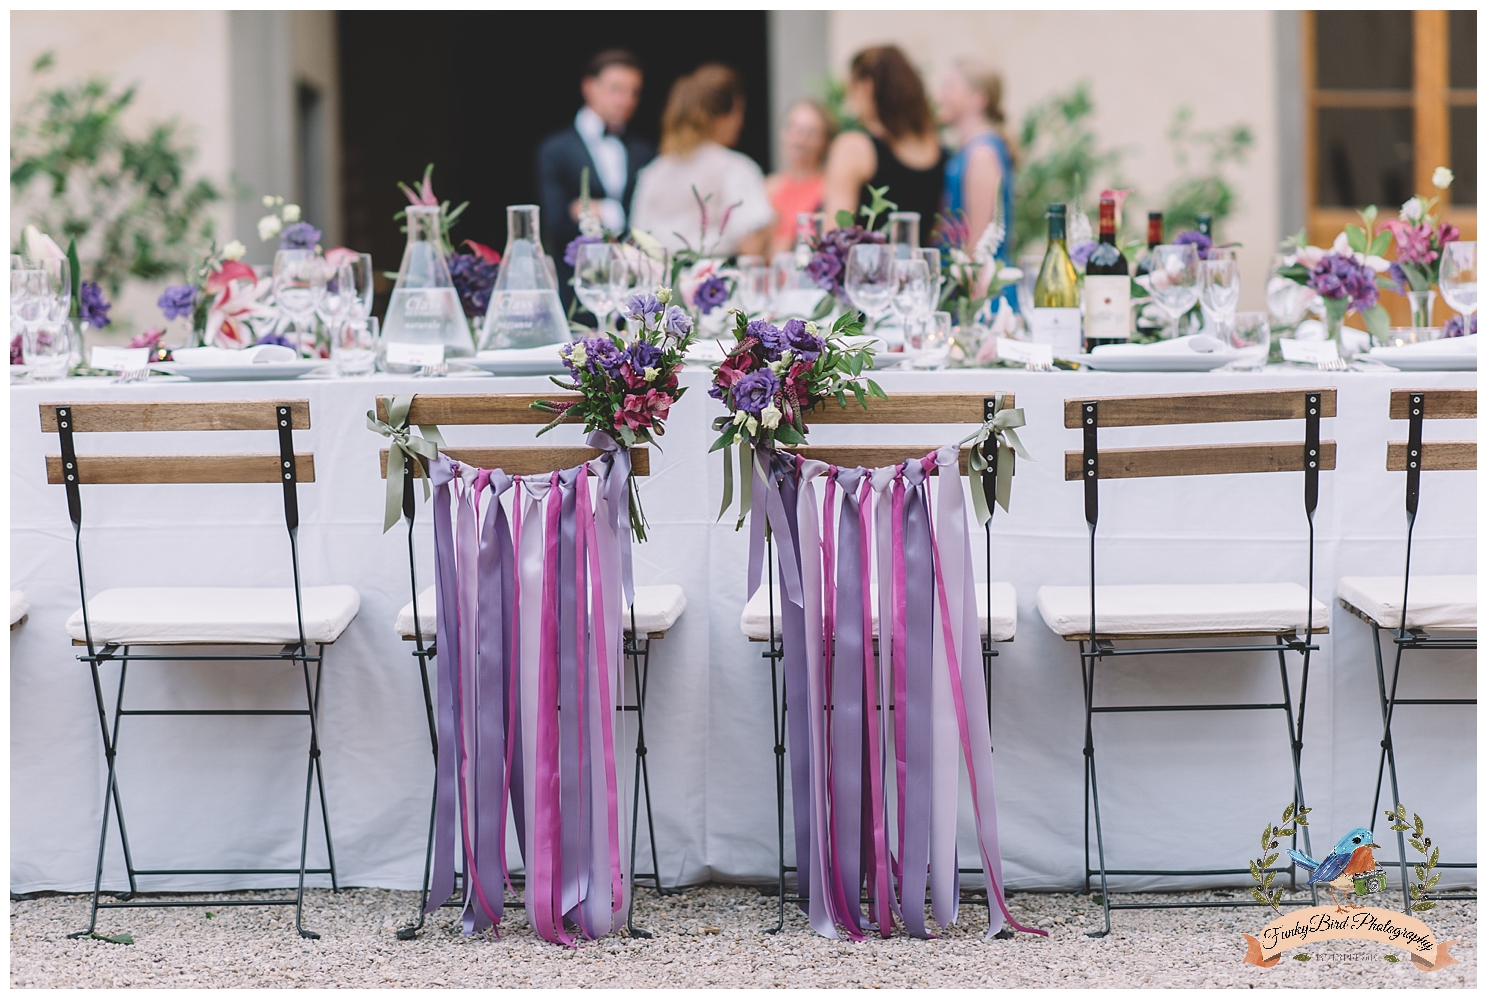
548 351
1455 346
264 353
1198 343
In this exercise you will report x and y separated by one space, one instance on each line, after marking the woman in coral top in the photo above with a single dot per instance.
808 130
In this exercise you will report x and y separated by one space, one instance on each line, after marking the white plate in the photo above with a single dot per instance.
266 372
1156 362
528 365
1408 360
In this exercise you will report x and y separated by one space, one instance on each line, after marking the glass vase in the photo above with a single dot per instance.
1421 304
425 309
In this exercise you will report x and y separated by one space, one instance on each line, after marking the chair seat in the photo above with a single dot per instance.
1448 603
183 615
19 607
1154 610
755 619
656 611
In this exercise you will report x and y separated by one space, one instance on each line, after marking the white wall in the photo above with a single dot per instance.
1141 66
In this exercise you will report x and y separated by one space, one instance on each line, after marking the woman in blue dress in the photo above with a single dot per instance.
978 178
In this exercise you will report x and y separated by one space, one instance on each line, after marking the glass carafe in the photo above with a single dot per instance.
524 308
425 308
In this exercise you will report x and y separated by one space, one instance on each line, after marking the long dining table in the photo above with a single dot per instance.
1178 789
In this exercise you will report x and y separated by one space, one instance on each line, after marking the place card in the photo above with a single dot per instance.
1034 355
120 358
1309 351
422 354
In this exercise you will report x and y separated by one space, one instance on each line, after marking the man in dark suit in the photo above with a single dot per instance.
596 140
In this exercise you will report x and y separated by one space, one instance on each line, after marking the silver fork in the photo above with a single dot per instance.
127 375
434 370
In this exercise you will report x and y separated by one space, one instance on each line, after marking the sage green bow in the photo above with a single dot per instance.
403 447
1001 429
746 480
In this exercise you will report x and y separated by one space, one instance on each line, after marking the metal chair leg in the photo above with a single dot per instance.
108 798
304 836
411 931
1387 693
1294 729
1092 786
636 652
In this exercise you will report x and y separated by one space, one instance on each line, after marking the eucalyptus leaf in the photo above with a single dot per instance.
1422 906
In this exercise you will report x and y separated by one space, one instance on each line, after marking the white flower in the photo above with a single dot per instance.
753 426
787 358
777 366
1442 177
1310 256
1412 209
812 328
291 213
234 250
269 226
579 355
650 374
991 237
769 417
739 417
959 257
1376 264
268 201
663 295
1009 274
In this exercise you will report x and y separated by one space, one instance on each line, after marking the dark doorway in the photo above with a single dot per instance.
475 92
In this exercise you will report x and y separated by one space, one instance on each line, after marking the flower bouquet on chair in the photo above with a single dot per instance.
625 388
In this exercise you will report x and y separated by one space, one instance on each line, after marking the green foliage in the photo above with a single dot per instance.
1270 853
1414 827
1208 191
77 174
1061 159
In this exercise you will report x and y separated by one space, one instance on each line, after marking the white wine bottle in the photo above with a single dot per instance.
1056 319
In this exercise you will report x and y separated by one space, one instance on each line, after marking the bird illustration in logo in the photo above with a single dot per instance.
1353 854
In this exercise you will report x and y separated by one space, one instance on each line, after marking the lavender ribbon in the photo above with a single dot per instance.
919 679
441 886
849 759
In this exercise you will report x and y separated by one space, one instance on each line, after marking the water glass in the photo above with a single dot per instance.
913 294
353 346
756 289
1174 278
1287 301
600 279
28 297
931 257
363 280
870 280
934 342
56 288
1246 335
1458 280
903 232
1218 288
299 285
46 349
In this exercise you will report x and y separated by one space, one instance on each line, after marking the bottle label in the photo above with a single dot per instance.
1107 301
1059 329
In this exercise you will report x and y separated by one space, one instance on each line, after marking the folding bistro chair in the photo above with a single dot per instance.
116 621
1439 604
1247 612
653 613
996 602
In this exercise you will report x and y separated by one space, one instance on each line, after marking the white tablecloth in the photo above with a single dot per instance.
1179 790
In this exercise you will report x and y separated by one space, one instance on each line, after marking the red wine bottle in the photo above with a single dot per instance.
1107 287
1153 240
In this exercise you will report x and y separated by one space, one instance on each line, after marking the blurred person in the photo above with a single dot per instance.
899 147
978 177
596 140
703 117
800 186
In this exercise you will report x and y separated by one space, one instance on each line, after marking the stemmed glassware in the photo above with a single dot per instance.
931 257
1174 279
1287 301
934 344
870 279
299 288
913 296
1458 280
1246 335
756 290
601 280
1218 290
46 350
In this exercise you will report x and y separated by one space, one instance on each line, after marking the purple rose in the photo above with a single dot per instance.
300 236
473 280
1457 326
570 254
806 346
177 301
710 294
1196 238
643 305
1080 253
92 306
676 322
755 390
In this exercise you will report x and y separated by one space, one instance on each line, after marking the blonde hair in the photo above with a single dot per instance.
988 83
694 105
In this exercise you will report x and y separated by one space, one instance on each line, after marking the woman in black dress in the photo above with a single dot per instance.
899 148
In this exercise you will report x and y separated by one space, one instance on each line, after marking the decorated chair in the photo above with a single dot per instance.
1115 622
113 623
996 602
654 611
1424 613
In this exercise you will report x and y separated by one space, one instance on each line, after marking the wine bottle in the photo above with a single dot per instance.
1107 287
1146 326
1056 293
1205 225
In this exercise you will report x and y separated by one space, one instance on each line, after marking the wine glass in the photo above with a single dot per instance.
1246 335
913 293
299 286
931 257
1287 301
870 284
353 346
934 345
600 279
1218 289
28 302
339 302
46 349
1174 279
363 285
1458 280
756 290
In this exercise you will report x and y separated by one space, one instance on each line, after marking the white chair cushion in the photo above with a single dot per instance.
19 606
755 619
1446 602
1181 609
188 615
656 610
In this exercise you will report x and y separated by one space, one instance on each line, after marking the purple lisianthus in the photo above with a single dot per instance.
710 294
1193 236
1398 278
473 279
92 306
177 301
824 269
300 236
643 305
1081 251
806 346
1460 326
771 336
755 390
278 339
676 322
1337 276
570 253
829 262
642 355
603 355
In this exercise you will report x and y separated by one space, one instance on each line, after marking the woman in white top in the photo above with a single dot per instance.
703 117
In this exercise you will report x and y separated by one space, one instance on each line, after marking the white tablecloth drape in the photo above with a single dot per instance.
1179 789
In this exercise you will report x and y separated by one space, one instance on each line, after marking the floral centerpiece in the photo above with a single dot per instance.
473 272
772 378
626 387
1420 232
828 264
1345 276
228 305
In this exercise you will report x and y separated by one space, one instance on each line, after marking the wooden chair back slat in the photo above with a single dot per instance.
147 417
161 469
1198 459
531 460
476 410
872 455
908 407
1440 404
1200 407
1436 456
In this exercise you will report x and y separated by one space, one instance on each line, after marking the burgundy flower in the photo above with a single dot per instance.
643 410
734 367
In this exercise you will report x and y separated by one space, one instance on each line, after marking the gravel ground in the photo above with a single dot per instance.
706 936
